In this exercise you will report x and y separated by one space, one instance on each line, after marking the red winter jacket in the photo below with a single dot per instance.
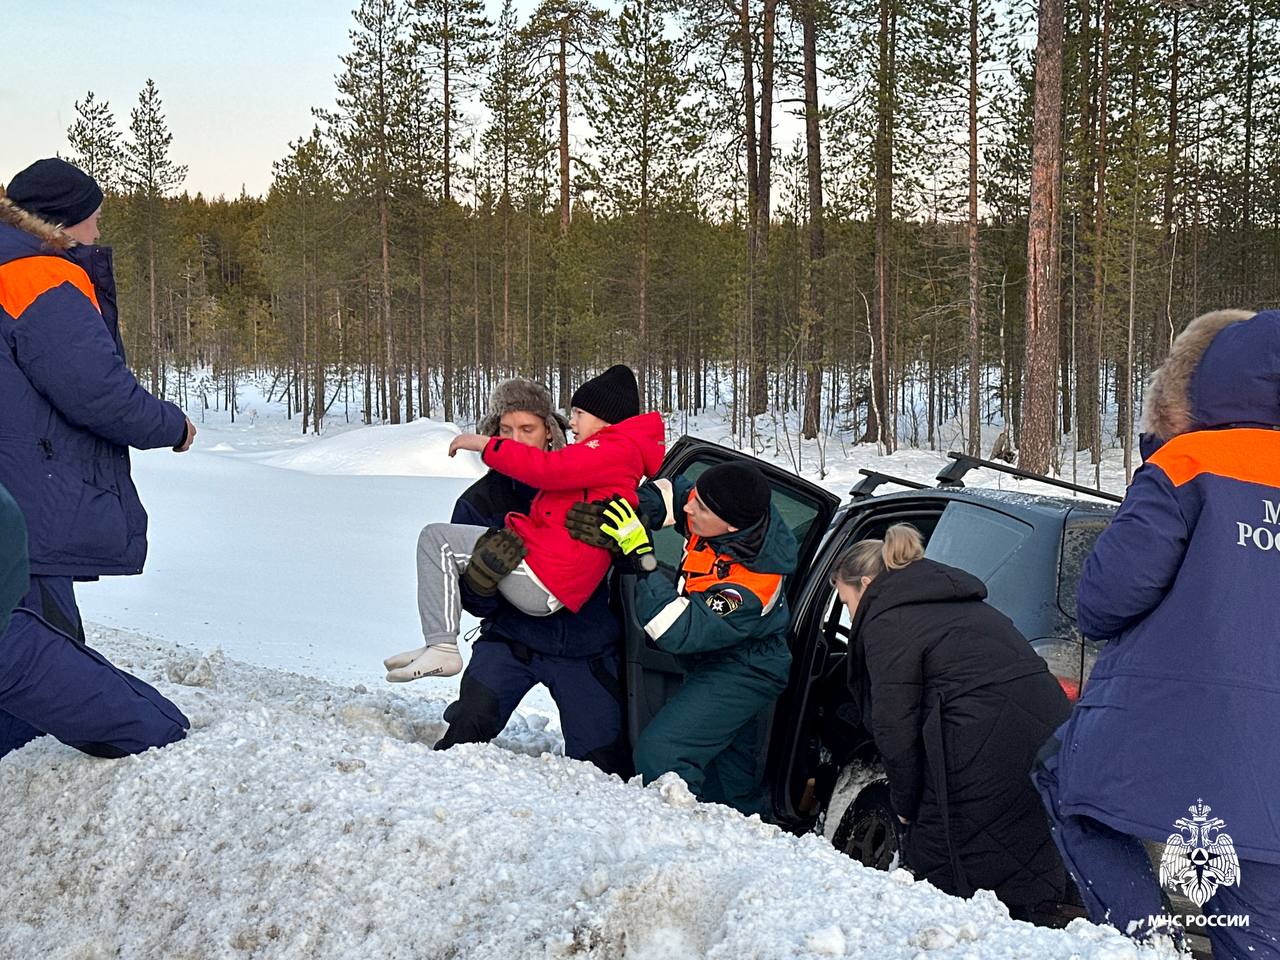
610 464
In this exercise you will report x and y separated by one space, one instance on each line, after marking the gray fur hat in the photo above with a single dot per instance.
526 396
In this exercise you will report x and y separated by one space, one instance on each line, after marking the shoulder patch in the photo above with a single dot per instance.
722 601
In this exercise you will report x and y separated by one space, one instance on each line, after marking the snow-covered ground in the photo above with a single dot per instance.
306 815
305 819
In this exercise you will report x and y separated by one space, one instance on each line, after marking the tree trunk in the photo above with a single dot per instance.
1124 376
424 387
563 80
305 406
1086 379
643 333
1038 396
446 366
384 229
1246 260
759 387
817 240
1093 335
1163 338
975 283
881 422
153 325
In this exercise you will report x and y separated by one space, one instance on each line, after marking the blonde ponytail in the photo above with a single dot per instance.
902 545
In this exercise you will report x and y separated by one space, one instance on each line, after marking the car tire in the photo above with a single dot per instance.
869 830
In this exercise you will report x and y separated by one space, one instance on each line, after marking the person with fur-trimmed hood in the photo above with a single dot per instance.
69 410
576 656
1175 733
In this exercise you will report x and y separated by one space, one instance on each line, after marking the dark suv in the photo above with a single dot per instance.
1027 549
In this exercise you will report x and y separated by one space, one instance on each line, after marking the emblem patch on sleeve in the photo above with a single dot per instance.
722 601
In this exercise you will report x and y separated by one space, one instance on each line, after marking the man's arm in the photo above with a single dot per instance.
578 465
702 622
662 502
68 355
1134 562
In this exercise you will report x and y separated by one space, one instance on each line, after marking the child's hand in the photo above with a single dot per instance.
475 442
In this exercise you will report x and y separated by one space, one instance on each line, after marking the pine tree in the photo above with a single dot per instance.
94 141
815 328
566 32
452 39
300 223
512 100
1038 407
365 126
149 176
642 133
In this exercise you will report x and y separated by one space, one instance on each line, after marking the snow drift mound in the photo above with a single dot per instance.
417 449
306 820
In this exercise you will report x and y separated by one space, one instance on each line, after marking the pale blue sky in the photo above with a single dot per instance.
238 77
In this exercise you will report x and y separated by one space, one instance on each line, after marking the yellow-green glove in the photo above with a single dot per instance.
624 527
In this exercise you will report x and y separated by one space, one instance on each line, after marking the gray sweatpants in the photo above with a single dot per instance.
443 552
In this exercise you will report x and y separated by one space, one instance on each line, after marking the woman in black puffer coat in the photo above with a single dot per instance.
959 705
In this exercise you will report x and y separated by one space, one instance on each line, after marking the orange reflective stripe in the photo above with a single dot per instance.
23 281
1249 454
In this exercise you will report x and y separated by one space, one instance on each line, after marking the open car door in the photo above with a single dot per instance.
652 676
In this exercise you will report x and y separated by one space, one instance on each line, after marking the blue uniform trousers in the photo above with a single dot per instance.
52 682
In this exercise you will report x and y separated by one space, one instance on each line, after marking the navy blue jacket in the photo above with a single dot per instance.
1184 702
70 407
587 633
13 558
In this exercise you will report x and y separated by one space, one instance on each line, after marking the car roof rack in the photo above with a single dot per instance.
952 475
872 479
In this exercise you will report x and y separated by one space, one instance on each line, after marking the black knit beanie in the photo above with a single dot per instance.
737 493
613 396
56 191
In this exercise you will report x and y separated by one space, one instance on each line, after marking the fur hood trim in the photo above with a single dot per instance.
50 234
1168 409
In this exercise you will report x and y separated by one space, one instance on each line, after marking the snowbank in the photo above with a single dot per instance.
417 449
307 820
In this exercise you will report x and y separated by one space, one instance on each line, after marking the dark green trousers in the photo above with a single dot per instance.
708 733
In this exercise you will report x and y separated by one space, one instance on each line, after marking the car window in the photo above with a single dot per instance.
798 513
976 539
1078 538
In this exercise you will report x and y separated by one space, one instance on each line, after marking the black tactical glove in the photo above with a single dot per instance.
583 523
496 553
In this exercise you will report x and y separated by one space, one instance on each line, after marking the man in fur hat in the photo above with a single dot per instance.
1174 738
69 410
575 655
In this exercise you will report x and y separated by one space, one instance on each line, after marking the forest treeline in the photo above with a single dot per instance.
549 194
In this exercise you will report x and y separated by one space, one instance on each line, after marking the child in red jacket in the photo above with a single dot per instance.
615 447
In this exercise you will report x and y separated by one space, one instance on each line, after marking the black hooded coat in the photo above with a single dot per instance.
959 705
